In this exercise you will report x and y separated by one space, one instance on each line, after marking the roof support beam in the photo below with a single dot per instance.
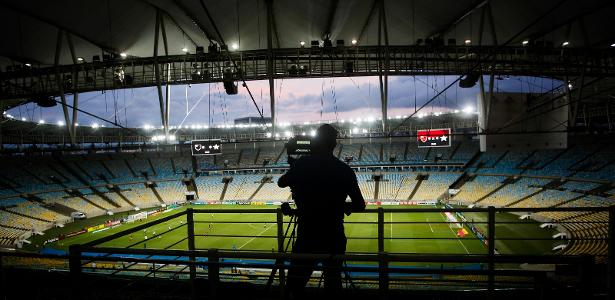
270 70
194 20
568 21
172 20
60 83
75 89
383 74
445 29
50 22
157 70
168 85
329 26
368 20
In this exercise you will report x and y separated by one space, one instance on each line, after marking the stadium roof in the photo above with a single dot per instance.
30 27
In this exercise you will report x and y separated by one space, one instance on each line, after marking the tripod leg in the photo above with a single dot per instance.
274 270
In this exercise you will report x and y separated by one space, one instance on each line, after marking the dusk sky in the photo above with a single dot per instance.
298 100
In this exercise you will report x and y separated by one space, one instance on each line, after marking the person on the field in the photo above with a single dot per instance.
320 184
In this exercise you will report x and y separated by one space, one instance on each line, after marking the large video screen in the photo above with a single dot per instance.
434 138
206 147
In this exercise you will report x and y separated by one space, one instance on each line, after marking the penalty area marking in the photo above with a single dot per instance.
250 240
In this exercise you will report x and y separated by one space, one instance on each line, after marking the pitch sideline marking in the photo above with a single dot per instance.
250 240
391 225
458 239
429 225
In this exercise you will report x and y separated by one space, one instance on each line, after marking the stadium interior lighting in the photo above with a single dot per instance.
23 119
60 123
456 111
364 130
185 50
76 124
468 109
28 64
421 115
268 134
370 119
613 45
354 41
570 85
80 59
123 54
525 42
41 121
147 127
234 46
288 133
312 132
302 43
95 125
566 43
467 42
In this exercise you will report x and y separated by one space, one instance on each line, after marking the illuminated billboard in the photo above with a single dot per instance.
434 138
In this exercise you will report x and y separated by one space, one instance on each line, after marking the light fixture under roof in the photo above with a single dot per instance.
354 41
234 46
185 50
525 42
123 54
28 64
302 43
467 42
613 45
566 43
80 59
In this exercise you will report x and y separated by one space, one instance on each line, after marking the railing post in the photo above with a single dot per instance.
74 267
213 272
491 247
611 253
280 262
383 274
74 261
380 229
191 247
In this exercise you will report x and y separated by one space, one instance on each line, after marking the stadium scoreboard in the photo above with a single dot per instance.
206 147
434 138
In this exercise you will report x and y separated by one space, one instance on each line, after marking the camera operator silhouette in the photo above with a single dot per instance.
320 184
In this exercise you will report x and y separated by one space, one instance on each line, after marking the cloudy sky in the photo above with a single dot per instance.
298 100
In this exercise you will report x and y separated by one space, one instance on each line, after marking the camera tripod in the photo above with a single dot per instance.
291 241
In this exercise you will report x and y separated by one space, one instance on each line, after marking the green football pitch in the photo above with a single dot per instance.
257 232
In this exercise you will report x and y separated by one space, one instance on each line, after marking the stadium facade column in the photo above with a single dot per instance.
270 62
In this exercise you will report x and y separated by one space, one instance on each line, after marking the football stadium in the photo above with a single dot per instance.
142 143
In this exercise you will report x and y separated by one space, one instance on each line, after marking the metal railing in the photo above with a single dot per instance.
381 269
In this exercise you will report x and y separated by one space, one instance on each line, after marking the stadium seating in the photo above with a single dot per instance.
474 190
48 177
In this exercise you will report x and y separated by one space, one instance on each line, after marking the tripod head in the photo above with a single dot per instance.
287 210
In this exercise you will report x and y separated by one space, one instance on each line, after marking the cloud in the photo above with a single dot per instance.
297 100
